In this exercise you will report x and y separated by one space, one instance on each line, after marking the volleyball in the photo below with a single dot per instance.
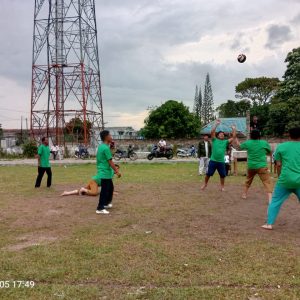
241 58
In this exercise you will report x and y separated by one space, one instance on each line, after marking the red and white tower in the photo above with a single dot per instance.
65 69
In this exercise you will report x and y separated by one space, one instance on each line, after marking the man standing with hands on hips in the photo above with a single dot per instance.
204 153
43 163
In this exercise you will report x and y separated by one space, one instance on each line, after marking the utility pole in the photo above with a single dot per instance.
22 129
248 123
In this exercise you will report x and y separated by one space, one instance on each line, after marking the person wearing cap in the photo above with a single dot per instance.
217 162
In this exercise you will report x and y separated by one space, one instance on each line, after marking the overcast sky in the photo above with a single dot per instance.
152 51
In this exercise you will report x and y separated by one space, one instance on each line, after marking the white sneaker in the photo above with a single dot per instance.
109 205
102 212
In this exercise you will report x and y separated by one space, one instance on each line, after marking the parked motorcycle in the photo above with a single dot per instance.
119 154
158 153
191 152
82 153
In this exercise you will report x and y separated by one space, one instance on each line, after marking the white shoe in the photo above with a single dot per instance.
109 205
102 212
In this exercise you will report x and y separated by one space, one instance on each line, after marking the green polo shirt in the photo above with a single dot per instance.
104 170
44 154
289 155
257 153
219 148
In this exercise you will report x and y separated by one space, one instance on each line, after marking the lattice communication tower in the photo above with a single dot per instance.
65 69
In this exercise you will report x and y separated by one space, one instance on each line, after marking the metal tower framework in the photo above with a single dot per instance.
65 68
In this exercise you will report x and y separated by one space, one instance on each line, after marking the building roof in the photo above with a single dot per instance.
240 123
124 128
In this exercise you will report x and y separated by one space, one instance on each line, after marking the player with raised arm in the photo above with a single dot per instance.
219 147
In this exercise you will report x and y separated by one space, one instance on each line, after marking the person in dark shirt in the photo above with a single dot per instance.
254 124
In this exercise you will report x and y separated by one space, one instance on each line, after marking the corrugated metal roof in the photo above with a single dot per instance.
240 123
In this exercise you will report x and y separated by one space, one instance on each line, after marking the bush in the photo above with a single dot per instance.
5 155
29 149
67 153
175 149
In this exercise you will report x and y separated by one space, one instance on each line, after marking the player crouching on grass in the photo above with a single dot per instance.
257 150
219 147
106 169
288 167
92 188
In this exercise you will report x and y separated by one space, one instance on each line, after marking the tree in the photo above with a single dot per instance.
198 103
30 149
285 107
290 87
76 126
262 112
259 90
284 115
171 120
1 132
231 109
208 102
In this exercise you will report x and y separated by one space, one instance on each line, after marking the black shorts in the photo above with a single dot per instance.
213 166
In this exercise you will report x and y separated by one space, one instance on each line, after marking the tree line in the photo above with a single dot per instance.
174 120
276 103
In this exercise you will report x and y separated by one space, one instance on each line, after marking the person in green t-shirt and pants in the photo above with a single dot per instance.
257 150
217 161
43 163
287 157
91 189
106 170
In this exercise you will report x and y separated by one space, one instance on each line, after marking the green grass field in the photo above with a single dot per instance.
164 239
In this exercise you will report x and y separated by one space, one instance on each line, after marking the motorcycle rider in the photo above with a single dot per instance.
129 150
162 144
54 150
81 149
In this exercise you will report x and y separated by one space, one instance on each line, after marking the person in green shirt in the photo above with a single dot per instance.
106 169
287 157
91 189
43 163
217 161
257 150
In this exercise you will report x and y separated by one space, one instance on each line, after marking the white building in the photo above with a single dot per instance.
118 133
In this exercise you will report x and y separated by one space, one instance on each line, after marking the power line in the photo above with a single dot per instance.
8 118
13 110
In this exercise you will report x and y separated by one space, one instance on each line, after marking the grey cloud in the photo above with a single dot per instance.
296 19
135 34
278 34
236 44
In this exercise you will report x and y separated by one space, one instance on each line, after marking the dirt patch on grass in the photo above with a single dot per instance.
26 241
175 211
